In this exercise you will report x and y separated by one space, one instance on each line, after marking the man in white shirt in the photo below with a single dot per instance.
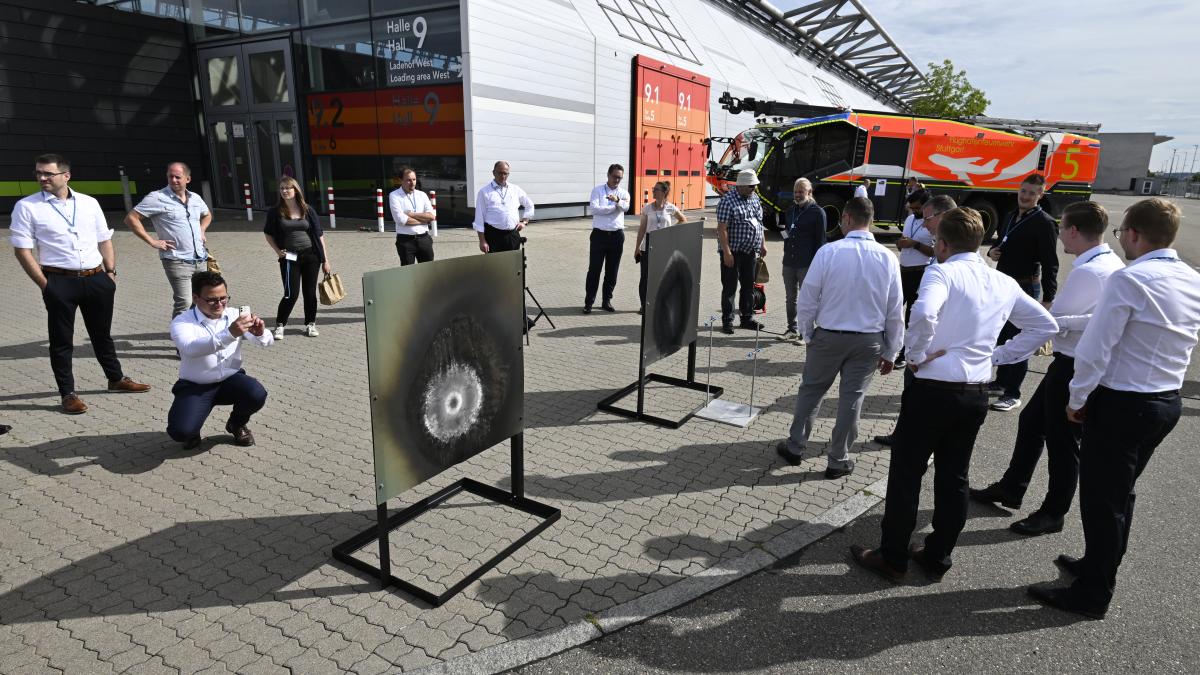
850 315
961 307
498 219
412 212
860 190
916 252
180 219
209 338
1042 421
76 268
609 202
1129 366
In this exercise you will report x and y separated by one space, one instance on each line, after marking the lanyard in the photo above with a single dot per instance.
71 222
1013 228
920 222
1096 256
1163 257
503 195
412 200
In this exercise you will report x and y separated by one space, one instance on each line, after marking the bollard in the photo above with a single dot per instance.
249 208
332 210
682 200
125 189
645 199
378 210
433 203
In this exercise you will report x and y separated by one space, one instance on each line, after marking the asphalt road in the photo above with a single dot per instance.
816 612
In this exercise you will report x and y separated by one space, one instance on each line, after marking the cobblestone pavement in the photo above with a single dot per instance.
122 552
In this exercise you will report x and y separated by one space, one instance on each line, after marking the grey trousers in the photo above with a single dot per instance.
179 273
792 278
853 356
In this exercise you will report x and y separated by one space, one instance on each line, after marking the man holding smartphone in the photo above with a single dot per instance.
209 339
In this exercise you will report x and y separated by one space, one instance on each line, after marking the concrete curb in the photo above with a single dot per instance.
517 653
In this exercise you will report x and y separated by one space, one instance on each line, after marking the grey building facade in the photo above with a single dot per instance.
1123 158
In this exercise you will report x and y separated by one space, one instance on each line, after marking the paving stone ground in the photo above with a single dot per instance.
121 552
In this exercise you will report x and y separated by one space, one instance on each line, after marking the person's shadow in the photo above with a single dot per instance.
131 453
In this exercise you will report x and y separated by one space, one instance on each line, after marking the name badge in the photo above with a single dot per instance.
288 255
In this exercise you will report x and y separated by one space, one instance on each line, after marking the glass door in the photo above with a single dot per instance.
249 98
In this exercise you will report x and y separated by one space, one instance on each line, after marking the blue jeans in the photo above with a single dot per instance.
1011 376
194 402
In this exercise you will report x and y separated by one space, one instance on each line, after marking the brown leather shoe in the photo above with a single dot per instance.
873 561
932 572
72 405
241 436
127 385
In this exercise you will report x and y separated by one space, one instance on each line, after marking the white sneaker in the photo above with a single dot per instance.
789 335
278 332
310 330
1006 403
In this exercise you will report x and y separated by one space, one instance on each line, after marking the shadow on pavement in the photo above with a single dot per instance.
131 453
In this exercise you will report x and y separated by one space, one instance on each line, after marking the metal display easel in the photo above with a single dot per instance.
516 499
608 404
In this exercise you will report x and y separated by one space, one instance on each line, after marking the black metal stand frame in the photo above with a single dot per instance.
530 323
344 552
608 404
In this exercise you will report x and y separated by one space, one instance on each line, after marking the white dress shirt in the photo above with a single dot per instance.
208 352
961 306
861 191
853 284
914 228
498 206
608 215
1075 301
66 233
401 202
1141 336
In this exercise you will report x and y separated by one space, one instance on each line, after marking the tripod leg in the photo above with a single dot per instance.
541 310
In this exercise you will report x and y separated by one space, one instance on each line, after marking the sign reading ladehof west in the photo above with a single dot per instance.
423 48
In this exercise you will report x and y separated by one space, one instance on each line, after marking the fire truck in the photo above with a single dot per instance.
979 161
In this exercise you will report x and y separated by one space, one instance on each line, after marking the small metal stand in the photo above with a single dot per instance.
728 412
344 552
530 323
608 404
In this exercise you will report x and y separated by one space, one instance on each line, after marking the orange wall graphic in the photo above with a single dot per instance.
670 122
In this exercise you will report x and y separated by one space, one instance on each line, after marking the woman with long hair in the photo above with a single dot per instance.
659 213
295 234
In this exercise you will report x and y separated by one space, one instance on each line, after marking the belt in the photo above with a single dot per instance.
402 235
501 229
954 386
72 273
914 267
1139 394
849 332
1027 280
1060 355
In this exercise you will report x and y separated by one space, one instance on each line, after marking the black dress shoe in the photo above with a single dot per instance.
1068 600
4 429
788 456
1037 523
727 328
832 473
751 324
996 494
873 561
241 435
1069 564
191 443
607 306
884 440
932 572
587 309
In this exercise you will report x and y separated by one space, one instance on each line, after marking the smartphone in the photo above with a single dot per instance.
244 310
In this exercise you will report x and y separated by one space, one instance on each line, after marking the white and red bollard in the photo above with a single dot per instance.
249 207
682 200
645 199
378 210
433 203
332 210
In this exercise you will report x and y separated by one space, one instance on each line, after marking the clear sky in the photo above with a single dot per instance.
1130 65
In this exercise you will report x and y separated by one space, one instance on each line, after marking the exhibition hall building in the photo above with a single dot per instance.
344 93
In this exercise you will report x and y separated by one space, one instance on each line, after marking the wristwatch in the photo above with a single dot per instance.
112 272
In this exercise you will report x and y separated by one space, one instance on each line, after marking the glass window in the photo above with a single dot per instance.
338 57
446 175
419 48
354 180
287 147
268 169
382 7
217 18
836 145
266 15
797 157
329 11
224 81
268 77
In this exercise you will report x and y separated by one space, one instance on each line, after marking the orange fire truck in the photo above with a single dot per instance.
980 162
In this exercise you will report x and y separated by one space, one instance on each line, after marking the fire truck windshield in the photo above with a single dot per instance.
746 151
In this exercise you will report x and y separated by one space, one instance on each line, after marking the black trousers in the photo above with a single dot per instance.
194 402
741 273
1120 433
299 276
1044 421
942 423
93 297
604 252
414 248
1010 376
501 240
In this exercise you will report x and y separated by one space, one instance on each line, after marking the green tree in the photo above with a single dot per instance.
949 94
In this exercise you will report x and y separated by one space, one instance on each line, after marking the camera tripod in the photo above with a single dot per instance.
531 322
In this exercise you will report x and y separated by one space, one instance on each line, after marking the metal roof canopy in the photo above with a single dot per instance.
842 36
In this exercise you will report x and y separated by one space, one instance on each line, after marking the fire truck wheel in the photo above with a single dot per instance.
991 217
832 204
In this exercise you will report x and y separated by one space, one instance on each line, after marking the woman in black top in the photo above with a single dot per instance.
803 233
294 233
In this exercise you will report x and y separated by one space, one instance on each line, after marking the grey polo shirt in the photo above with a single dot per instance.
179 222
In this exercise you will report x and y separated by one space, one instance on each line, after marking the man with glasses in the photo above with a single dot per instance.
209 339
180 219
75 268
